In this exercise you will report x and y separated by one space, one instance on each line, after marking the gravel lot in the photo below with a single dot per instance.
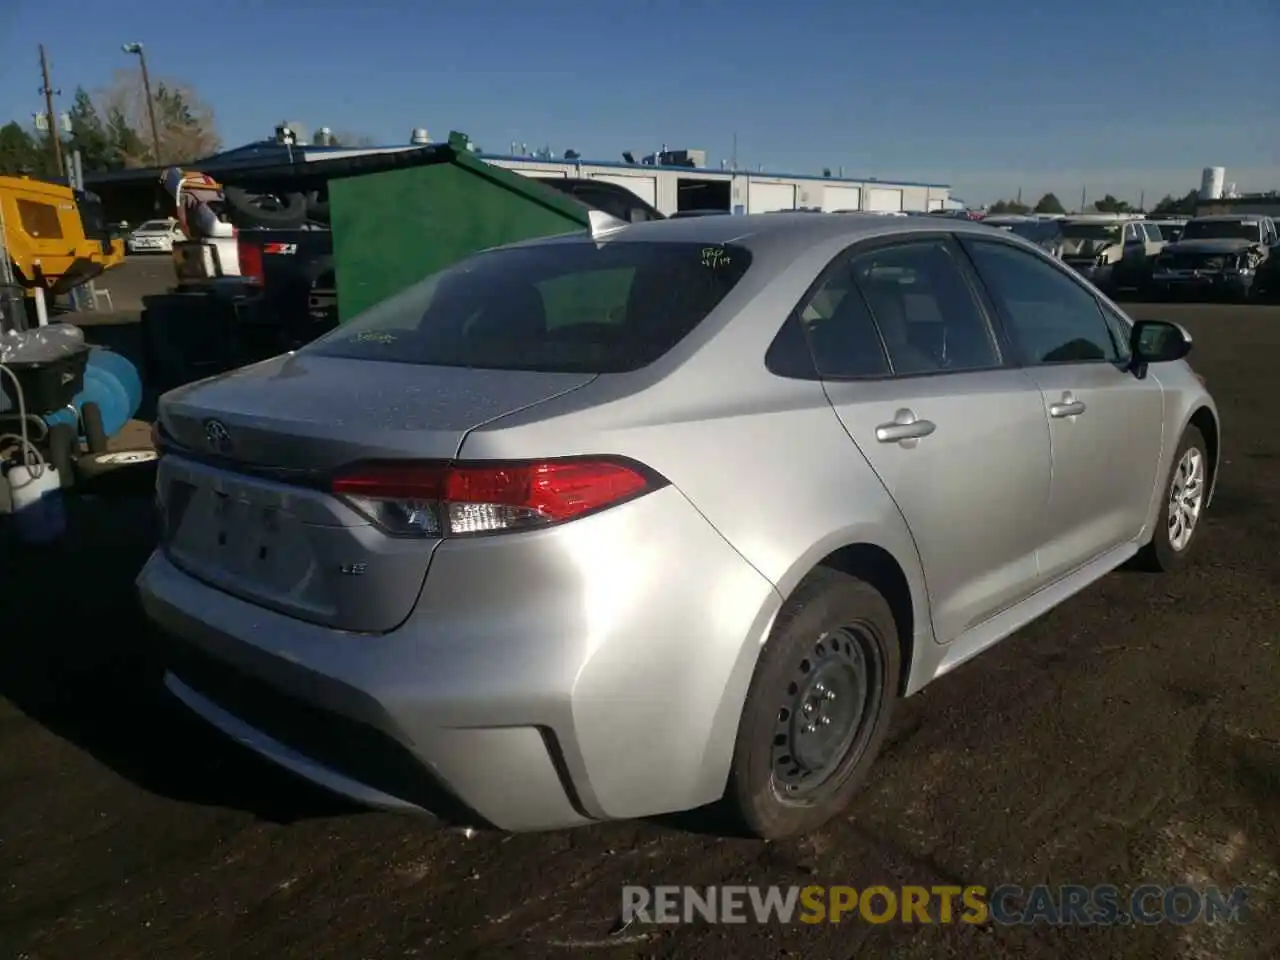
1131 736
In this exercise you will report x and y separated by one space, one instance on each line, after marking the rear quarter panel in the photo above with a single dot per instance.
764 459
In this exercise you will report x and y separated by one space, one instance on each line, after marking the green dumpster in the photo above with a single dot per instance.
440 204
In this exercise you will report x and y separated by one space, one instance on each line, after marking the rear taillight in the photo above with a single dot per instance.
418 499
250 256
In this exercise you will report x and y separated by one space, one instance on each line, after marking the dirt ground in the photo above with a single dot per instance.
139 276
1131 736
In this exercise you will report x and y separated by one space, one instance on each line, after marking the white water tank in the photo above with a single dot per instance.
419 136
1212 181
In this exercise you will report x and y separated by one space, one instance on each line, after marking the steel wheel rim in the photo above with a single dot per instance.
1186 498
826 714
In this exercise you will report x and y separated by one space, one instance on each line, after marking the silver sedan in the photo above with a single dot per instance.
607 525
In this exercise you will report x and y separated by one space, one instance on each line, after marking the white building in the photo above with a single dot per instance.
669 188
673 188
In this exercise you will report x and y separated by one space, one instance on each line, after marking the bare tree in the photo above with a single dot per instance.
185 123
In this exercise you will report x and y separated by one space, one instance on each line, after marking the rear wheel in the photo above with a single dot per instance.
1182 508
818 707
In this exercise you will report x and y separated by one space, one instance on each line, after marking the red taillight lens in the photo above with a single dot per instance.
452 500
250 257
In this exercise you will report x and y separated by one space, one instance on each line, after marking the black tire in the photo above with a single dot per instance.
284 212
833 630
1160 555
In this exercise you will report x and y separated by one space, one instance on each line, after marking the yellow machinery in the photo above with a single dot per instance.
56 238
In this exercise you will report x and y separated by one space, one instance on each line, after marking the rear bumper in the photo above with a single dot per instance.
592 671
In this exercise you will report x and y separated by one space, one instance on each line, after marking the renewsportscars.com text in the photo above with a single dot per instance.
1068 905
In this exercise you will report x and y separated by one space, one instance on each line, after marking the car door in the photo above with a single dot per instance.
960 440
1105 424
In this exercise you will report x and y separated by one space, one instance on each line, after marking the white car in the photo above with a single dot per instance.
154 236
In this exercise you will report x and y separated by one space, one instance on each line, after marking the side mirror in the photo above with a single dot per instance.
1158 341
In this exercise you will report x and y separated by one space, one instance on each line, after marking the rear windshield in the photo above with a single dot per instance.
561 307
155 225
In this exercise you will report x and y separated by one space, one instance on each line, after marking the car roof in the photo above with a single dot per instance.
767 229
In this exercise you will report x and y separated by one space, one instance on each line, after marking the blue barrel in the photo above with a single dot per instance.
113 383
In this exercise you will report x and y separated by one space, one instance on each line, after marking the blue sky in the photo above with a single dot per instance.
989 96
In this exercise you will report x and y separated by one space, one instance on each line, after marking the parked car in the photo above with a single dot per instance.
1217 256
1043 232
154 236
1116 254
480 543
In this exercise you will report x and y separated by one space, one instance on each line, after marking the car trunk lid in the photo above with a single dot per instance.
241 490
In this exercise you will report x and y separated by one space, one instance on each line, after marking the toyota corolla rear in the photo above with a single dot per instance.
352 596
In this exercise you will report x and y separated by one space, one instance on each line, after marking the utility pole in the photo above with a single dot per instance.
55 135
136 48
1083 192
1142 202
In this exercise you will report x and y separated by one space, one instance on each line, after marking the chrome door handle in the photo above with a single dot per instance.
905 427
1067 408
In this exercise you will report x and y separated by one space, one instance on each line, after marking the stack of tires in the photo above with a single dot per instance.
284 211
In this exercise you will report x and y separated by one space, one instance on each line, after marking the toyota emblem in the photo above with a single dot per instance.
217 436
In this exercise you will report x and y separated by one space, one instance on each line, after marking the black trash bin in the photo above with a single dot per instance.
47 385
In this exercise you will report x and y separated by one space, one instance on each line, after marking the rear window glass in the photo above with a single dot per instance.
562 307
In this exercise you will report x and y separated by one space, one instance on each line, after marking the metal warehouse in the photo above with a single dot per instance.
671 181
683 187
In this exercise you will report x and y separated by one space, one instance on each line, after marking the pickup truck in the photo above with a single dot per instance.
1221 256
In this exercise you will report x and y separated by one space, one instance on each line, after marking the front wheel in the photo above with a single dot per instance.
1185 494
818 706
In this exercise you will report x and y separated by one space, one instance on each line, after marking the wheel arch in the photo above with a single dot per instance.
1206 421
878 567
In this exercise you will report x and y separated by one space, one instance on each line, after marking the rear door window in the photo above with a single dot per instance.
840 331
926 312
557 307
